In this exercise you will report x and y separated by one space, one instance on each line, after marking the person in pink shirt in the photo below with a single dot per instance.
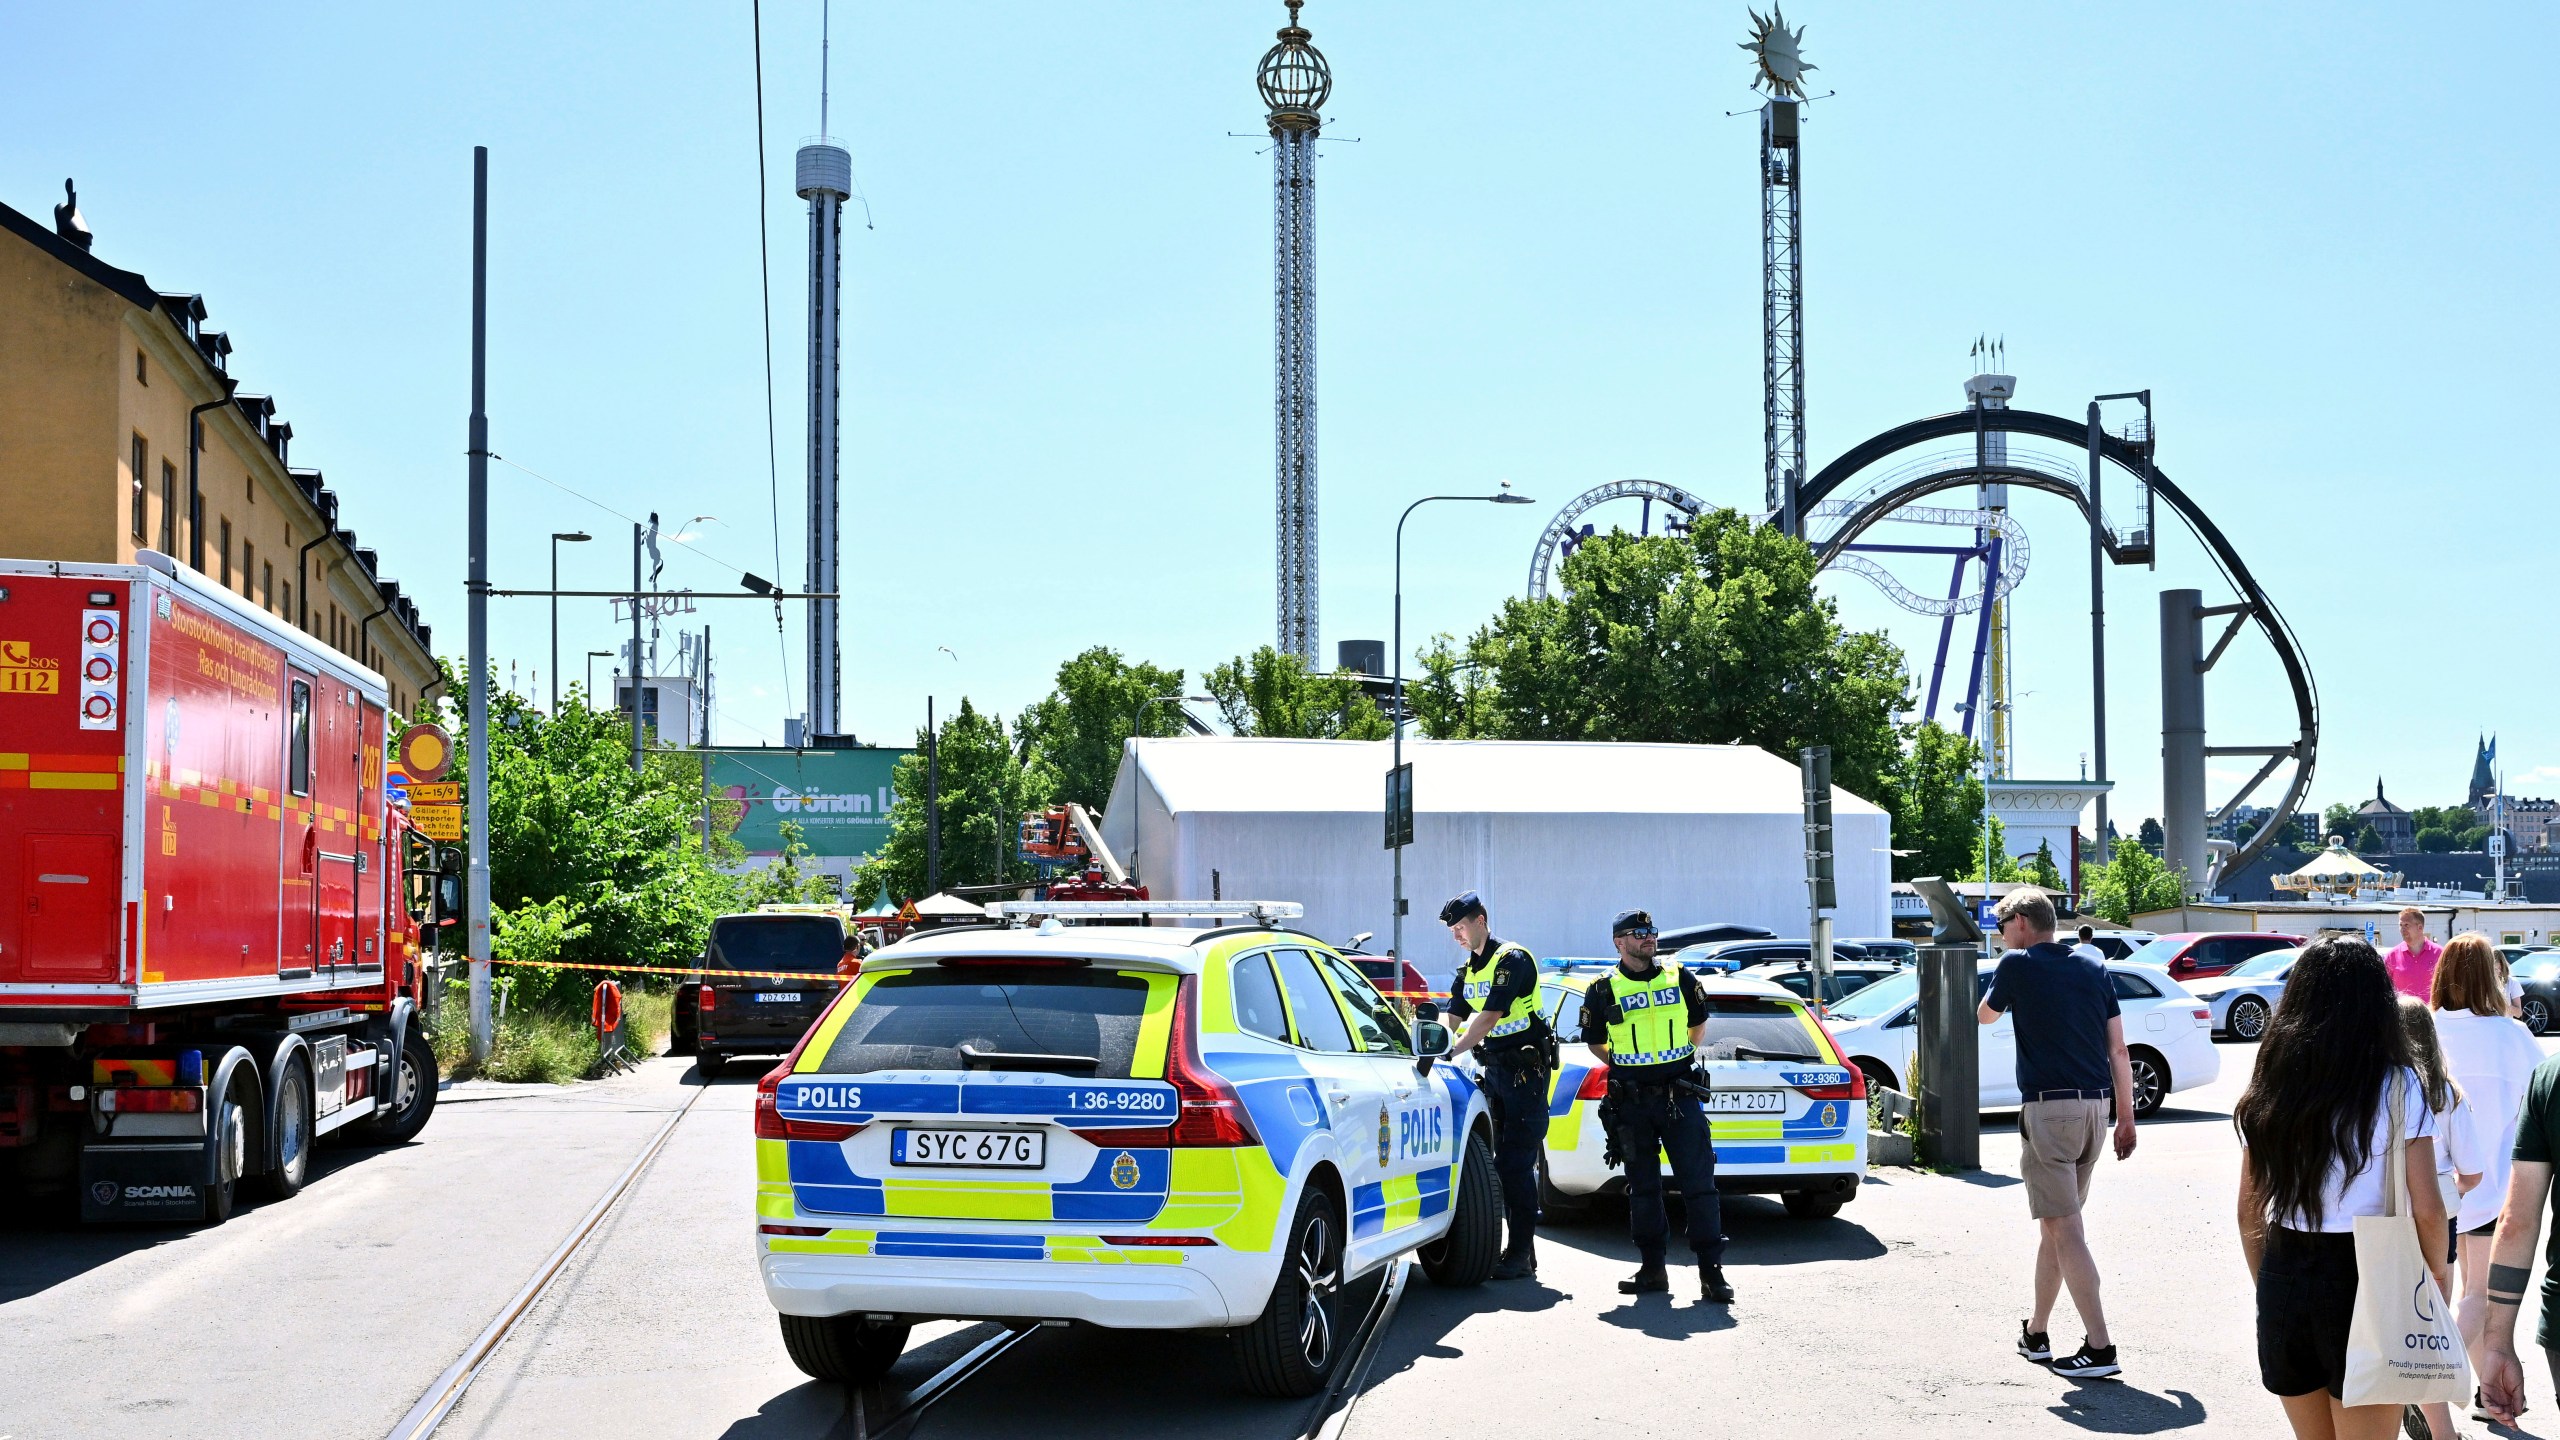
2413 960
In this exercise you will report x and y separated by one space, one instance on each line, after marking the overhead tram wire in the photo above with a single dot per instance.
609 510
764 270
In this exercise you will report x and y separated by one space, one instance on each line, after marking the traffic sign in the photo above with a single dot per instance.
443 792
426 752
437 822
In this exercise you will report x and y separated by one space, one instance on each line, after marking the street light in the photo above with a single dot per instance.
574 537
1504 496
1138 727
592 657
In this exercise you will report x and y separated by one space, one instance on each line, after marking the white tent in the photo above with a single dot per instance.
1557 837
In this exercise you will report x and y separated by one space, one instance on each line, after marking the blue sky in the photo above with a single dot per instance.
2320 234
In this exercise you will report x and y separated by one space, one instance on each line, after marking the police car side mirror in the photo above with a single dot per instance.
1430 1039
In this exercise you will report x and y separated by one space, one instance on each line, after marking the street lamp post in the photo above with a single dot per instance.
592 657
1502 497
573 537
1137 728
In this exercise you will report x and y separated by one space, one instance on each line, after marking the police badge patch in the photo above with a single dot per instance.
1124 1171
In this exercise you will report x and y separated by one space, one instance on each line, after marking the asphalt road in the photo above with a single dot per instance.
330 1314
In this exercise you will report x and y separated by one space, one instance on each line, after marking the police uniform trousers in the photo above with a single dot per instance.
1658 1120
1515 1089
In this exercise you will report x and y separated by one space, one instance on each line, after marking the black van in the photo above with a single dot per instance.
746 1002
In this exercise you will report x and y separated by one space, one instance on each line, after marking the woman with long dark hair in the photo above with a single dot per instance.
2313 1127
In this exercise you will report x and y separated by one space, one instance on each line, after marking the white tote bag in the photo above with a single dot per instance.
2402 1348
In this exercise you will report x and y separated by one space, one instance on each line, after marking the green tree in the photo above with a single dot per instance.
787 880
1935 797
2154 839
2436 840
2041 871
986 787
2338 819
1715 637
571 824
1275 695
2004 868
2132 883
2368 840
1080 729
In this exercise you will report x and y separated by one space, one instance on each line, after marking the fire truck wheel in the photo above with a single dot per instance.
413 1092
289 1157
227 1142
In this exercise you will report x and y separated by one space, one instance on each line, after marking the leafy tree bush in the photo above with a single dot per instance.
1275 695
986 787
2040 871
1079 730
2154 839
2134 881
1934 793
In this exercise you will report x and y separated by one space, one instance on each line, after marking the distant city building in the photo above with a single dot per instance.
2484 779
2389 821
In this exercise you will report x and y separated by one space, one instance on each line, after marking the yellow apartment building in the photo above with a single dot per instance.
123 430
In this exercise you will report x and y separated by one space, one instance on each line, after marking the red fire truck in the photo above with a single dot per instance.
208 957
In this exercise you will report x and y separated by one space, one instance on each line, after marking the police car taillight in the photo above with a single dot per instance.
1856 1089
1212 1112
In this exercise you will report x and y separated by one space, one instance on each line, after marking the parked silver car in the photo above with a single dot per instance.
2244 997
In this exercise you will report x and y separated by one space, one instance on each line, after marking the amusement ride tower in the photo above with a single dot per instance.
1295 83
1779 58
824 178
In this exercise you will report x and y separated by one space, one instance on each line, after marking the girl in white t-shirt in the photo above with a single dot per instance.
2461 1151
2492 1057
2313 1127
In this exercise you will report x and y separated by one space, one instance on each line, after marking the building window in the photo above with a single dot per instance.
225 532
168 508
248 565
249 487
267 586
141 469
286 609
141 373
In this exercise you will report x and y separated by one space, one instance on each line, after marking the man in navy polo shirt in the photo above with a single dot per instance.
2072 1072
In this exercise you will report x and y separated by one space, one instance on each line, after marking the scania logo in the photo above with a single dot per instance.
159 1192
103 1191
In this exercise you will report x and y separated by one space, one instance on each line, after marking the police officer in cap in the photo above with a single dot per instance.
1647 1022
1496 994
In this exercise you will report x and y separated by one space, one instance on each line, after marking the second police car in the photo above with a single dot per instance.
1788 1113
1140 1127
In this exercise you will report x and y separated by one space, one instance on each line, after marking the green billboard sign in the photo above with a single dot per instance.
839 798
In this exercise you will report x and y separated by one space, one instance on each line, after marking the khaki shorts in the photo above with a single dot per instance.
2060 1141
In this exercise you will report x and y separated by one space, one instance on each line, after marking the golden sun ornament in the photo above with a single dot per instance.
1779 53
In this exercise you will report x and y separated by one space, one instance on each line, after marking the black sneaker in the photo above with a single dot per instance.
1712 1287
1651 1280
1520 1266
2036 1345
2089 1362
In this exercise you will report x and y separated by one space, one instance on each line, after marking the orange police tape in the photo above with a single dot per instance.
841 976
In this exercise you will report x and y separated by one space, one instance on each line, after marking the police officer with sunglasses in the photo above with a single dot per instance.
1647 1022
1496 994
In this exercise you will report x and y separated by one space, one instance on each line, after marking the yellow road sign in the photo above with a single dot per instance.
442 793
437 822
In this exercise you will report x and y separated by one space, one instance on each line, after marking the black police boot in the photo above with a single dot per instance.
1651 1280
1711 1285
1519 1260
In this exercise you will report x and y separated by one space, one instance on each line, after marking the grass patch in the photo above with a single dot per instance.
542 1045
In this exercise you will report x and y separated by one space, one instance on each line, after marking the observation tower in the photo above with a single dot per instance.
1295 82
824 178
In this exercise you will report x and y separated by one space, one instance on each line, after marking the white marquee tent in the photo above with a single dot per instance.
1557 836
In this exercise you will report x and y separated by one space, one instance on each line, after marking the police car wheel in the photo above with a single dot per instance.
1804 1205
709 1063
847 1349
1292 1349
1465 1254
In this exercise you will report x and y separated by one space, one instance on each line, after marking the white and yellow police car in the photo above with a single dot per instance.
1131 1126
1788 1113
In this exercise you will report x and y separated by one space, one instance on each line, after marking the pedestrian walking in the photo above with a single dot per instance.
2460 1155
1647 1023
2492 1057
2314 1127
2413 960
1496 994
2088 949
2073 1072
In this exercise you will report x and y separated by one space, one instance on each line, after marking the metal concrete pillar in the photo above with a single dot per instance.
825 179
2182 667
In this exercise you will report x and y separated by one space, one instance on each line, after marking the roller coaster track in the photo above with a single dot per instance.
1873 505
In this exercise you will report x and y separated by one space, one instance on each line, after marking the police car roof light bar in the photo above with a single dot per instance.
1262 910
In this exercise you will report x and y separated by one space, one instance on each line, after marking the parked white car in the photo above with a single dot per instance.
2168 1032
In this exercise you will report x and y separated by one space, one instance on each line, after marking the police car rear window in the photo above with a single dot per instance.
798 943
1745 1027
919 1019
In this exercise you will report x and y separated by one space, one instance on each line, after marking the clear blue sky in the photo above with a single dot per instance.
2320 234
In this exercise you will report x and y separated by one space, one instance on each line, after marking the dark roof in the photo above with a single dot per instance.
39 234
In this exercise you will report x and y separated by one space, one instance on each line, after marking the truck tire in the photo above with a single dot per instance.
1292 1349
709 1063
412 1097
289 1133
1465 1255
846 1349
226 1143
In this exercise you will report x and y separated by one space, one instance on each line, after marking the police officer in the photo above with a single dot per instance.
1496 994
1647 1022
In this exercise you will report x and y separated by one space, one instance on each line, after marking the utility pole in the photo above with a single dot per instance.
635 648
476 704
932 803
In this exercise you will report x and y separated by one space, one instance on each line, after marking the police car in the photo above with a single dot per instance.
1132 1126
1788 1113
